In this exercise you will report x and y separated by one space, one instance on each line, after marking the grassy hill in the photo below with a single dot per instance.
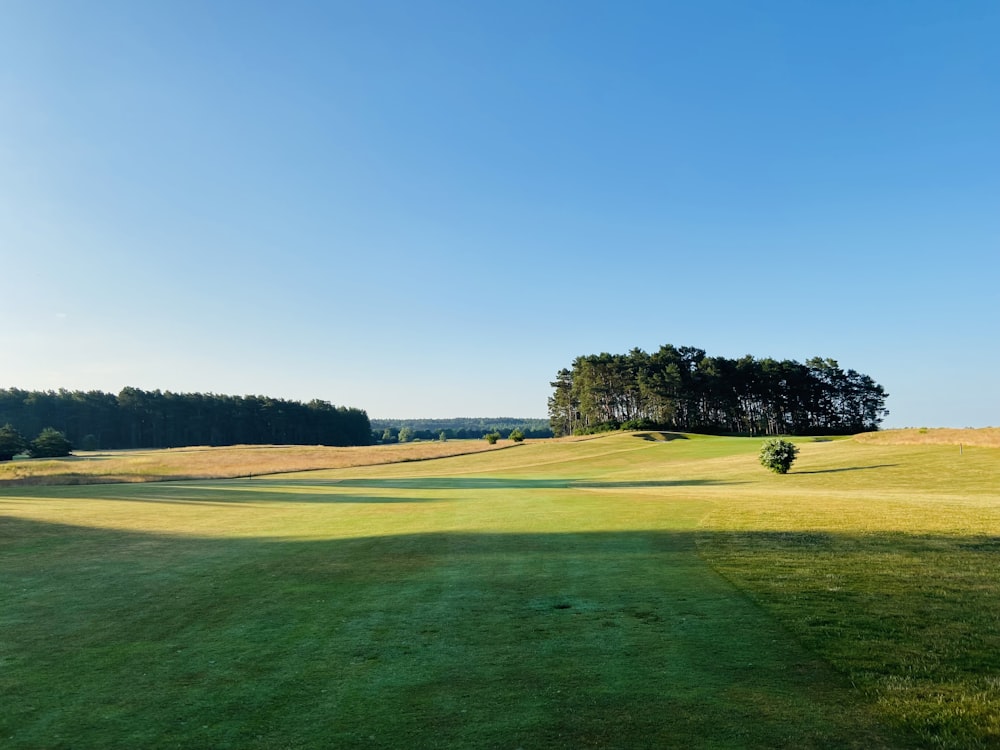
631 590
203 462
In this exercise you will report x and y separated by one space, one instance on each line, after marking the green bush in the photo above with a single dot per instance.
778 455
634 425
516 435
12 442
50 443
491 437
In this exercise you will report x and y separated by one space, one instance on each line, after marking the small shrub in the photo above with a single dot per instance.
491 437
778 455
633 425
516 435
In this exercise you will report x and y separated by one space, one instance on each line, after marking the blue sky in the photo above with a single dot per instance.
426 209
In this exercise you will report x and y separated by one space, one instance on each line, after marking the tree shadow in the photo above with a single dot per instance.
506 483
846 468
660 437
73 479
236 492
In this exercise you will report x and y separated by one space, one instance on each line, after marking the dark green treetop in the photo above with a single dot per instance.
12 442
50 443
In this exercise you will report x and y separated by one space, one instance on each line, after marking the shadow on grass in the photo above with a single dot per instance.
846 468
465 639
253 496
235 492
310 491
660 437
76 479
505 483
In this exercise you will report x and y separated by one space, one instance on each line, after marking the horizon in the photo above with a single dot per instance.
433 208
481 417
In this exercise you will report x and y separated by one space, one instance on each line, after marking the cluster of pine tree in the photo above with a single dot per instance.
153 419
684 389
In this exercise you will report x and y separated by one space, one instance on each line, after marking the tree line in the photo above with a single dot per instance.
135 418
682 388
458 428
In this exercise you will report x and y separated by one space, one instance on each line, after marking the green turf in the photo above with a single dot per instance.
619 592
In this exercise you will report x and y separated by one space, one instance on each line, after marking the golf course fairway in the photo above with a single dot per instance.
642 590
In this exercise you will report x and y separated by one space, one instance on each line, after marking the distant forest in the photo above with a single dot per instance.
134 418
462 428
684 389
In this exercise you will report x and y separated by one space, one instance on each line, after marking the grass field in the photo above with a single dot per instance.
220 463
626 591
984 437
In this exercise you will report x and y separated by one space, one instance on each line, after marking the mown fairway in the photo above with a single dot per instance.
619 592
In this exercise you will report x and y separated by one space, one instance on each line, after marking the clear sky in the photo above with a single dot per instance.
426 209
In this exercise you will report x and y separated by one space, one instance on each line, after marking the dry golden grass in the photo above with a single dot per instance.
222 463
984 437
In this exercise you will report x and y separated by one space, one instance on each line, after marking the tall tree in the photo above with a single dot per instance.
562 404
12 442
50 443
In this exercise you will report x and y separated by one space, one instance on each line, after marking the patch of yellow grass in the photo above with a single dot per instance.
985 437
223 462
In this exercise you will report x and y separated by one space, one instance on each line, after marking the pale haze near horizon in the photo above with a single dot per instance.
428 209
